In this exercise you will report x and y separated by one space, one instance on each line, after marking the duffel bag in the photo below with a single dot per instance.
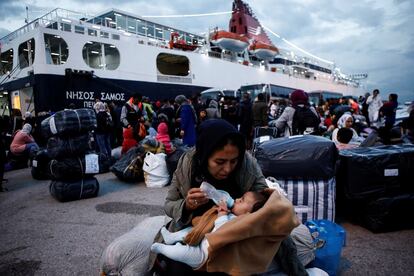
58 147
76 168
69 122
74 190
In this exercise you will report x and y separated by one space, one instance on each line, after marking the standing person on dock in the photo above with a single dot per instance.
374 103
132 115
388 111
187 120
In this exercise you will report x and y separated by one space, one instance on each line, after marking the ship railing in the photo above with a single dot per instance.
44 21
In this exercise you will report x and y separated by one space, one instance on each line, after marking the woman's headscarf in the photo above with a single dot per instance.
213 132
342 120
27 128
299 97
99 107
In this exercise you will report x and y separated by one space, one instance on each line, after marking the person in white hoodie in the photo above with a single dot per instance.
374 103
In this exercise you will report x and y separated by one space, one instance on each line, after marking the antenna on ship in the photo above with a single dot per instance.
26 20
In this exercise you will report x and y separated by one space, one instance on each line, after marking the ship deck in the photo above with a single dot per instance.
40 236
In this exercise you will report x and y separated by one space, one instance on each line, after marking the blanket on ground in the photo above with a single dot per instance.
247 244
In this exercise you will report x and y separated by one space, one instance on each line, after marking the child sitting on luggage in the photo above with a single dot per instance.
344 136
195 256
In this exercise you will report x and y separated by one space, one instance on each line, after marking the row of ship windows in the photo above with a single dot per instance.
96 55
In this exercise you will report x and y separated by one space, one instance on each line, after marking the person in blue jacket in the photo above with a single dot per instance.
187 120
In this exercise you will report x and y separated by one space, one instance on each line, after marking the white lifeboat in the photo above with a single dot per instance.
263 50
229 41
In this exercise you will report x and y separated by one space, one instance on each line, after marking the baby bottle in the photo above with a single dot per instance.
217 195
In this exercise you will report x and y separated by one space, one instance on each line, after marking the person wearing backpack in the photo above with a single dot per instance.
299 118
104 128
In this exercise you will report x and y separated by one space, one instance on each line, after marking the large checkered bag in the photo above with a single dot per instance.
69 122
312 199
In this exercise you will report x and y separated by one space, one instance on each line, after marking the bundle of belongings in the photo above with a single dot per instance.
304 166
70 148
375 186
129 167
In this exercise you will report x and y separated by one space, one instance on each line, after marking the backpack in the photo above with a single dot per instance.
305 121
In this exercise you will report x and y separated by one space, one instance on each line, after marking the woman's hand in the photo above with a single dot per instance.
195 198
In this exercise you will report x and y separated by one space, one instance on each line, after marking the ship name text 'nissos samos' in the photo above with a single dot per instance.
63 58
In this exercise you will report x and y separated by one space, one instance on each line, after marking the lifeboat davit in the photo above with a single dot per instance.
263 50
229 41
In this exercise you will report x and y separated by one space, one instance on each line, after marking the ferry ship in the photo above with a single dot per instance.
65 58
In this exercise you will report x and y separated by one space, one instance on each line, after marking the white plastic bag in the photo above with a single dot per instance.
155 170
128 254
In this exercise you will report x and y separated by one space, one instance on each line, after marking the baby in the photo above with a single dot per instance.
195 256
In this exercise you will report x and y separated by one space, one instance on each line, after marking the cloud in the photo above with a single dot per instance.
10 9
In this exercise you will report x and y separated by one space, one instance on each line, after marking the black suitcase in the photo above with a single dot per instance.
73 190
373 172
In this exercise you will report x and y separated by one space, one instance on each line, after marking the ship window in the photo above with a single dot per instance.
6 62
115 36
53 26
121 22
167 35
142 29
26 53
65 27
79 30
56 49
104 34
150 30
158 32
92 32
175 65
101 55
132 25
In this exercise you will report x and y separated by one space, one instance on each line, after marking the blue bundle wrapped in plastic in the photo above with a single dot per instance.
329 238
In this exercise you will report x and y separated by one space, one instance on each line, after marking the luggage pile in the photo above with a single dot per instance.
73 162
304 167
375 186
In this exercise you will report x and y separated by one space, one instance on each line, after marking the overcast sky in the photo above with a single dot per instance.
360 36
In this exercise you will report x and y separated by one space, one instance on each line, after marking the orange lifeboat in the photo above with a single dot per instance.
176 42
263 50
229 41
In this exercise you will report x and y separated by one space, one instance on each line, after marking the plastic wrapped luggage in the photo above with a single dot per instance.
312 199
77 167
74 190
58 147
69 122
302 156
373 172
388 213
40 165
129 167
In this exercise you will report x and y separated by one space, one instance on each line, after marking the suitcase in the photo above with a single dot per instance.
303 156
312 199
73 190
373 172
